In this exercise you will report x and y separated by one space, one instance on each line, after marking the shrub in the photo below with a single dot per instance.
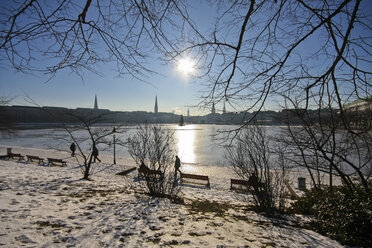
339 213
152 146
305 204
249 158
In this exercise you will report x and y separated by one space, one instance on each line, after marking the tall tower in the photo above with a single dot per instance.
95 102
213 111
224 108
156 105
188 112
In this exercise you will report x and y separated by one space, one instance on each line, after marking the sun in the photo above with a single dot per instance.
186 66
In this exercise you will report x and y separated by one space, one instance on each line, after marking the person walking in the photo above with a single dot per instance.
95 154
177 165
73 149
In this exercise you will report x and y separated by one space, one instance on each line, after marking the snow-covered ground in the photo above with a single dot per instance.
50 206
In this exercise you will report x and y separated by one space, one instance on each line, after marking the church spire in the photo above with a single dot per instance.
156 105
95 102
213 111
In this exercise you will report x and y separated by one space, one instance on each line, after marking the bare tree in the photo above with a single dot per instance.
316 54
255 50
321 144
152 147
86 133
249 157
4 100
259 49
79 35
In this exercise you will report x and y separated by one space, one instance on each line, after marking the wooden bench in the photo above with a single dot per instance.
16 155
195 177
56 161
244 183
126 172
3 156
31 158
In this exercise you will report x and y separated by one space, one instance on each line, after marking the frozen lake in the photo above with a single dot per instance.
194 144
200 150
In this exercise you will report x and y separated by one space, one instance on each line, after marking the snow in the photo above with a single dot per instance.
50 206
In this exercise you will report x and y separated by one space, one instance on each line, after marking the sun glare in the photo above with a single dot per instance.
186 66
186 143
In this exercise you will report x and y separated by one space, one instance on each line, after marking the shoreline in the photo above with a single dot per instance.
219 175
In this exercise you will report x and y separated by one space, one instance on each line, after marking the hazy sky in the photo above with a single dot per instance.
175 92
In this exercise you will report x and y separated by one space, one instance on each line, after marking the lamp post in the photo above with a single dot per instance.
113 131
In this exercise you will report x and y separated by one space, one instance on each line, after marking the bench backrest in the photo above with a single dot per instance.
32 156
248 183
193 176
55 160
240 182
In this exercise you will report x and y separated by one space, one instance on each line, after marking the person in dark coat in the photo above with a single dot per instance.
95 154
177 165
73 149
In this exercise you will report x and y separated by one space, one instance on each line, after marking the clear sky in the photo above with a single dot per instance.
175 92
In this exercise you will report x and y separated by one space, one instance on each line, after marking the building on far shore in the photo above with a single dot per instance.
359 113
359 105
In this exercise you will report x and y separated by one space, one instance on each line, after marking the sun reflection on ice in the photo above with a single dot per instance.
185 143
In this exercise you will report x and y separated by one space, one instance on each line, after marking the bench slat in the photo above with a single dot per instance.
246 183
125 172
15 155
56 160
193 176
33 157
239 182
197 177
